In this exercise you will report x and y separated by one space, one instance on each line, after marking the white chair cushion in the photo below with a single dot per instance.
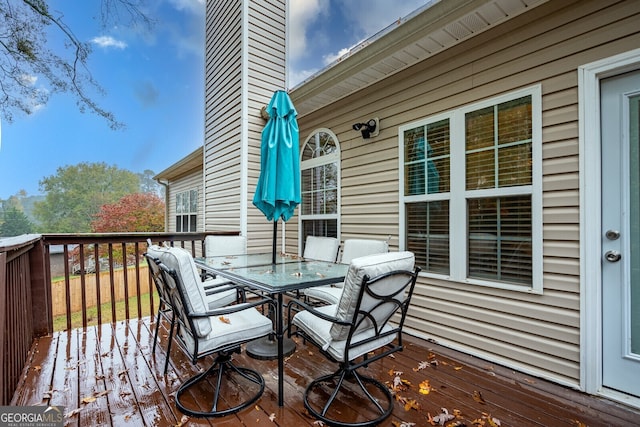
356 248
225 245
219 298
240 326
372 266
321 248
182 262
319 330
328 294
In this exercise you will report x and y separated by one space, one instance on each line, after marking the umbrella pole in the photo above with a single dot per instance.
275 234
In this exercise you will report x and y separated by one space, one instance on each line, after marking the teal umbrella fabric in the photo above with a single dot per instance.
278 189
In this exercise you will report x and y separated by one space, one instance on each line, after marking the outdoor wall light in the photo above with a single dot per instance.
368 129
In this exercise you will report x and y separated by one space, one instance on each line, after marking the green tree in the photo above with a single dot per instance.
15 223
27 55
75 194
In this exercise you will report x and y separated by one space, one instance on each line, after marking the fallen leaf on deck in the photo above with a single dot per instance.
441 418
318 423
477 396
421 366
124 372
272 417
224 320
425 387
73 413
457 368
37 368
88 399
183 421
402 424
411 404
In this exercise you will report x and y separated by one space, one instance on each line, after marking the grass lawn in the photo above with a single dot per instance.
60 322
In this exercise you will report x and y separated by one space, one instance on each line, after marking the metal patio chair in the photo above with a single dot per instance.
352 248
365 326
202 331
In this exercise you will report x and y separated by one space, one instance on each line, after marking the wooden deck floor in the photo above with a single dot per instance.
107 376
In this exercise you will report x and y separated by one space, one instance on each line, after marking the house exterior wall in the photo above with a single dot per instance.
245 65
189 181
536 333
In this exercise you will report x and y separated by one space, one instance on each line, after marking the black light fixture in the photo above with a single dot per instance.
368 129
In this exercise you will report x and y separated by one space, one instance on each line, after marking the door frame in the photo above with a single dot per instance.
589 141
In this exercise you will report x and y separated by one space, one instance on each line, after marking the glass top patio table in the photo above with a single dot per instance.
226 262
287 274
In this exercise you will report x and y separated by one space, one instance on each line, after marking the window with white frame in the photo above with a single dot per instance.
320 185
471 192
187 211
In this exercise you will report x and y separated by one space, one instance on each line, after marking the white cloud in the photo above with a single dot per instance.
108 41
195 6
302 14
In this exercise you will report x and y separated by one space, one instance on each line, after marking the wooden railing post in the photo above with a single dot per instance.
40 290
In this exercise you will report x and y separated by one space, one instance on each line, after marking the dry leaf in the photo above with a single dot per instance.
88 399
124 372
224 320
272 417
402 424
318 423
493 422
477 396
183 421
425 387
73 413
411 404
37 368
441 418
422 365
457 368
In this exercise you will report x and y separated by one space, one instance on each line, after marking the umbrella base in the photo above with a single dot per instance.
267 348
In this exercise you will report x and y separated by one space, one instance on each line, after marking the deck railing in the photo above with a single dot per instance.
101 272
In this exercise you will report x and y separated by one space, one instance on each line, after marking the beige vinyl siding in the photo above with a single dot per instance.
223 103
235 94
187 182
539 334
266 74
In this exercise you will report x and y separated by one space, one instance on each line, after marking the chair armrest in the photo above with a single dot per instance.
233 308
313 311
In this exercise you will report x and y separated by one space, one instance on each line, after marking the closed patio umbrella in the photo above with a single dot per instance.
277 194
278 189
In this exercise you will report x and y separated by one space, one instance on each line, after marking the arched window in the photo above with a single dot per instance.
320 169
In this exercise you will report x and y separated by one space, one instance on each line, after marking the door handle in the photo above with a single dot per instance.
612 256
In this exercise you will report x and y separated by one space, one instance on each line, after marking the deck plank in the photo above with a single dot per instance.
71 365
93 394
35 384
64 383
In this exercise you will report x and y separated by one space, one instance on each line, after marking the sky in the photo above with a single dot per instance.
153 82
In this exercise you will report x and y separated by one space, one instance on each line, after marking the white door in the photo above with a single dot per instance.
620 116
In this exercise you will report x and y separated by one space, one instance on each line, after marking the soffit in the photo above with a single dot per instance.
430 30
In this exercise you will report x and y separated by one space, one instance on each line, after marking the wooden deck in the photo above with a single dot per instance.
106 375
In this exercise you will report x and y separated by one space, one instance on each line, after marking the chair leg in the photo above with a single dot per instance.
155 334
171 329
316 392
222 367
